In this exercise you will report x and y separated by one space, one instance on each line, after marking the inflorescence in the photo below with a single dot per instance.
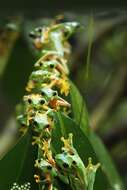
26 186
47 83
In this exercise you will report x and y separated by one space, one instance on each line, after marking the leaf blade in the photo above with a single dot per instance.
15 165
83 147
105 159
79 110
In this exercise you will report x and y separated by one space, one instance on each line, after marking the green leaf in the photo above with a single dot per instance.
106 162
79 110
63 127
18 164
100 150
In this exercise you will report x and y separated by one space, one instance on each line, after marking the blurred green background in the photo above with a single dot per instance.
98 65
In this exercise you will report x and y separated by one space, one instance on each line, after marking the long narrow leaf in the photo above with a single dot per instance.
100 150
18 164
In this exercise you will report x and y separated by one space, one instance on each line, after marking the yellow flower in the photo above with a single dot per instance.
30 86
91 166
46 148
64 86
36 140
37 178
68 144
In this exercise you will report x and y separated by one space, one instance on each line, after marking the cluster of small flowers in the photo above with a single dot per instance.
26 186
47 83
